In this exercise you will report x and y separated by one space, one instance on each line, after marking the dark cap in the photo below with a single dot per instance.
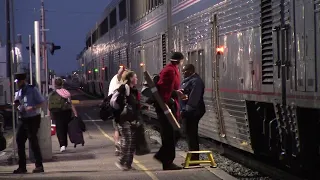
176 56
20 76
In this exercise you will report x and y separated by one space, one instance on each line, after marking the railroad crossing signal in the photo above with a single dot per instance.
52 48
32 49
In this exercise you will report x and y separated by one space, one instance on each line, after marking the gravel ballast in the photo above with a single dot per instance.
233 168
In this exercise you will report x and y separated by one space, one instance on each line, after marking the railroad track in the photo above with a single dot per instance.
237 156
248 160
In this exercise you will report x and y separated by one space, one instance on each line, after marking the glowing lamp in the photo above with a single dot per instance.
82 65
102 69
220 50
95 70
89 72
141 64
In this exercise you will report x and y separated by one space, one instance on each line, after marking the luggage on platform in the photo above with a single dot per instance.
76 128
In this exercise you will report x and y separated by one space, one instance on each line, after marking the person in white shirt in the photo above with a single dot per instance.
115 83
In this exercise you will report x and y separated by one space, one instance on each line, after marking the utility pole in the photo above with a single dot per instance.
169 27
44 49
8 40
13 41
30 59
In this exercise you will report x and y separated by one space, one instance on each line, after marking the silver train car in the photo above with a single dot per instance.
259 60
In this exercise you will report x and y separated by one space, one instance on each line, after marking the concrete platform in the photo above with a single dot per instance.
95 160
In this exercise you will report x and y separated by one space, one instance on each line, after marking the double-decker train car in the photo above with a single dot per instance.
259 60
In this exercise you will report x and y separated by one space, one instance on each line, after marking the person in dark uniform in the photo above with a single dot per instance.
28 100
192 107
168 87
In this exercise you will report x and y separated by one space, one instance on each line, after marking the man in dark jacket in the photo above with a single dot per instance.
192 106
168 85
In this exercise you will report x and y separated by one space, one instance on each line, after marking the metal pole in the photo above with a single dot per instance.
37 52
12 67
8 42
30 58
169 25
44 49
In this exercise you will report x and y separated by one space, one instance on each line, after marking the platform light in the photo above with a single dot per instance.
103 69
89 72
141 64
96 70
82 65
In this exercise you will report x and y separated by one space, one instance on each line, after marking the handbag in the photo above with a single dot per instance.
142 141
127 113
3 141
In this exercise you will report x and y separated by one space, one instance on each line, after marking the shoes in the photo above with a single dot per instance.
190 165
38 170
62 149
171 166
122 167
20 171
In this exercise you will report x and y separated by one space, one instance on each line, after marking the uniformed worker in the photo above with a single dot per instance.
28 100
192 107
168 86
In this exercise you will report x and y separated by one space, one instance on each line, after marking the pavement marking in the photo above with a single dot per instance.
139 164
75 101
96 120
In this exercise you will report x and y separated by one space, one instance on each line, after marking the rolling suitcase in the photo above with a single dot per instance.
75 131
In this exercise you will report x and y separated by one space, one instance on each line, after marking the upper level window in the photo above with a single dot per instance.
113 18
104 27
122 10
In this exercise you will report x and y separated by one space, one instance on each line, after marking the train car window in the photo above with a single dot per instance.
94 37
88 42
113 18
122 10
104 27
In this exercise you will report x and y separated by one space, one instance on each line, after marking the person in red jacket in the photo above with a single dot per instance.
168 87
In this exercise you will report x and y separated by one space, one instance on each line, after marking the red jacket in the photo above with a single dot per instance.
168 82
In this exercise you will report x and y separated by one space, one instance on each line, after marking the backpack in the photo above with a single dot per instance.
106 111
58 103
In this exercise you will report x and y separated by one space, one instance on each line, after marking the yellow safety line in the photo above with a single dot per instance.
138 163
75 101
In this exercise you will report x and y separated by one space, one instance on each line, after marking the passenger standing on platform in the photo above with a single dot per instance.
28 100
127 121
61 109
192 107
168 86
115 83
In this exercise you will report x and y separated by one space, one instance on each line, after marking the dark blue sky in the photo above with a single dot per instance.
68 21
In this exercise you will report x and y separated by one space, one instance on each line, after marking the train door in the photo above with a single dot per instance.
216 75
305 44
137 61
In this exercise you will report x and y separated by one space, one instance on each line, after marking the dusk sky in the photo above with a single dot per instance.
68 21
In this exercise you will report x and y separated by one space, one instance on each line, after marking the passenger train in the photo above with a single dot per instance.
259 60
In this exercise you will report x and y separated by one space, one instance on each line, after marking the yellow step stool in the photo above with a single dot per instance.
209 161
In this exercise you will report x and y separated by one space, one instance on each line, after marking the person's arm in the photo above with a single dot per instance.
194 96
74 110
166 84
120 72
